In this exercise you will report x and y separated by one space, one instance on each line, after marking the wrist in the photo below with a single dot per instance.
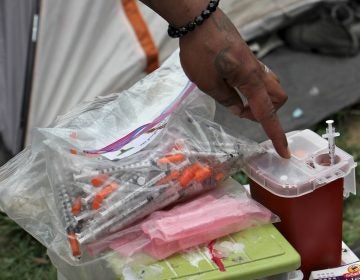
176 12
180 31
186 12
207 31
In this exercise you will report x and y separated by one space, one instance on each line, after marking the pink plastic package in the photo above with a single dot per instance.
201 220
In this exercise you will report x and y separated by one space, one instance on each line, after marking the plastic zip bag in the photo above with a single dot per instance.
97 197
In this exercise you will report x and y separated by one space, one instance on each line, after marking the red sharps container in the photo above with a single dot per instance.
307 193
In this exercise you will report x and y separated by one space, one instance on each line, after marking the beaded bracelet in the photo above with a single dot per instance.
177 32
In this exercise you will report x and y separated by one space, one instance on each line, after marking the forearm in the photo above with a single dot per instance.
218 61
177 12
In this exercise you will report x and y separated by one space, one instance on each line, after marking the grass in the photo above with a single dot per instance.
22 257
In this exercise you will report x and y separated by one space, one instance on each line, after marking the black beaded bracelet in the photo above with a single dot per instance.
177 32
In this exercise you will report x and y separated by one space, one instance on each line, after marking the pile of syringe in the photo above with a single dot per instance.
97 197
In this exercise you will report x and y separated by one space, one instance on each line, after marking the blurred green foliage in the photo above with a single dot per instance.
21 256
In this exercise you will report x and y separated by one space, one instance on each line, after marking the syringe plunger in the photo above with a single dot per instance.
330 135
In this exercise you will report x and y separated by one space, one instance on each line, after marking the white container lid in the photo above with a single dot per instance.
307 170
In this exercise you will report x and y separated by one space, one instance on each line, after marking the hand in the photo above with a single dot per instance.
218 61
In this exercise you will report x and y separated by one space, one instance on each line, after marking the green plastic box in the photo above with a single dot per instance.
259 252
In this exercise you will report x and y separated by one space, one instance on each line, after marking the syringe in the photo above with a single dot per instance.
330 135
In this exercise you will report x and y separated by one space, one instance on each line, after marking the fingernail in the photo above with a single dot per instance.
236 110
288 153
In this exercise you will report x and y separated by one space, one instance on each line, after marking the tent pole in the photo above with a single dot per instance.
30 64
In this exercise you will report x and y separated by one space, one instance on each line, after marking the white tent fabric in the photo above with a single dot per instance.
88 48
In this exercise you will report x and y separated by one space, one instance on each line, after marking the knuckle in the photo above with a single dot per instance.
227 65
282 97
267 115
254 74
250 77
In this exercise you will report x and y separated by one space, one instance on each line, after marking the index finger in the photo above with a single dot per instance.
265 113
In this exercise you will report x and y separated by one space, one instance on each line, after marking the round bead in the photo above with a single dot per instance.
199 20
183 30
191 26
177 33
205 13
211 7
171 31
